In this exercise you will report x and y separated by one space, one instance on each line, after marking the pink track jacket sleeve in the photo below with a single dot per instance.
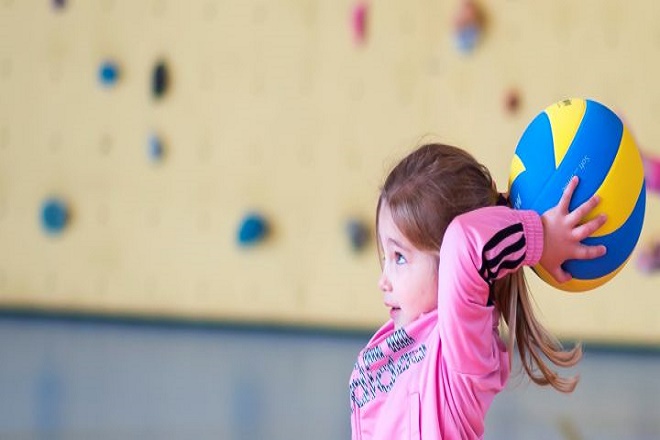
478 248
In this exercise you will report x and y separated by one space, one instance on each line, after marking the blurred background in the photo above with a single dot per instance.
187 197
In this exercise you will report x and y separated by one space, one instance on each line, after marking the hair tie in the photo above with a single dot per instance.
502 200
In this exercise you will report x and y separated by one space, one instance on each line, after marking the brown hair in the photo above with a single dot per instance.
424 192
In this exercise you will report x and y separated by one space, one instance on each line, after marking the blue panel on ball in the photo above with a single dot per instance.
535 150
619 244
590 157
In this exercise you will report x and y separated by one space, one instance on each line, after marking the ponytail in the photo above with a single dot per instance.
535 343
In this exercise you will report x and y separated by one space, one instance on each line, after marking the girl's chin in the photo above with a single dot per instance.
399 319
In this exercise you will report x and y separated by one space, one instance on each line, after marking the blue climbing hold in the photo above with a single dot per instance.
54 215
358 234
467 37
254 228
108 73
469 22
155 149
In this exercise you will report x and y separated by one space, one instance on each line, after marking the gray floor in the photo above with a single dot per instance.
95 379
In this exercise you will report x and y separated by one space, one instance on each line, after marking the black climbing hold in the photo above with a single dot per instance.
159 80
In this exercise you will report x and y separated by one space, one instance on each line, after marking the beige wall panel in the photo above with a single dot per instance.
273 107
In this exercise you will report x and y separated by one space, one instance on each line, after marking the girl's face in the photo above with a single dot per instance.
410 276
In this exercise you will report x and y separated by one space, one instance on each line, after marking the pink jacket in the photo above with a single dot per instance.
436 377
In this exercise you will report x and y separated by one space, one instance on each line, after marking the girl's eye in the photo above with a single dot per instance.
399 258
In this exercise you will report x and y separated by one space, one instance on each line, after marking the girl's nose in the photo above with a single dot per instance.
384 283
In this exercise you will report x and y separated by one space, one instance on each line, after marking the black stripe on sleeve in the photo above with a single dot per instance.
501 261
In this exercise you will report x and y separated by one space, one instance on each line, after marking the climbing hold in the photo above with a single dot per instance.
254 229
467 37
54 215
159 80
59 4
358 234
359 22
155 149
651 172
469 24
108 73
648 259
512 101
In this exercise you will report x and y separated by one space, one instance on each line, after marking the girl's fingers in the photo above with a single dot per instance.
567 195
584 209
590 252
561 276
582 252
585 230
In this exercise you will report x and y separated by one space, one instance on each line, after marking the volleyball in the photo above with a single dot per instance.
584 138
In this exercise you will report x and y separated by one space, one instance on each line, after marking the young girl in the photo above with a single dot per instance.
452 257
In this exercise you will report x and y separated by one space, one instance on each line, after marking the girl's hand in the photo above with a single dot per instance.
563 231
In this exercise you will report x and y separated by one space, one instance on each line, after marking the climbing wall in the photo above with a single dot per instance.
220 159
